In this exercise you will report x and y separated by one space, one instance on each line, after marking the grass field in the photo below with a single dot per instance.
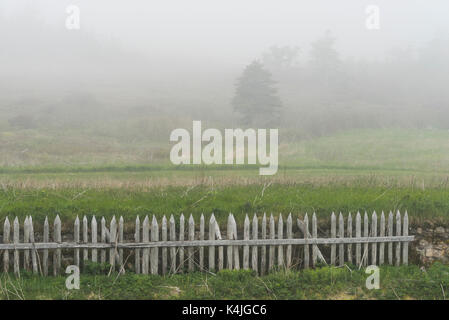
45 173
396 283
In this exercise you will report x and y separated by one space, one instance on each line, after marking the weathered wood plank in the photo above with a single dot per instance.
235 250
155 250
341 234
365 234
254 256
113 241
164 235
94 238
146 239
201 253
137 261
76 238
6 235
333 235
390 234
405 246
26 239
173 249
306 238
263 250
398 233
246 247
33 251
220 248
191 251
281 263
181 239
103 240
57 238
374 234
207 243
212 237
85 240
230 236
349 234
16 237
120 250
46 238
289 236
314 236
358 234
272 248
382 244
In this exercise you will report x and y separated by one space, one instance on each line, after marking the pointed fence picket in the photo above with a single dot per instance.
224 251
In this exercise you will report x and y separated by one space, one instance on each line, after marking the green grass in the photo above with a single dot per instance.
405 282
429 204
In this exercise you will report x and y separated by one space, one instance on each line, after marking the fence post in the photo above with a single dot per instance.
333 235
113 240
235 250
289 236
202 238
155 250
212 248
26 239
181 238
94 237
314 235
164 249
341 247
349 233
46 240
33 251
220 248
366 235
263 250
382 244
146 251
137 252
246 247
191 238
230 236
120 240
398 233
405 247
16 241
306 238
390 234
374 234
172 249
6 234
85 240
76 238
358 234
272 248
254 257
57 253
281 236
103 240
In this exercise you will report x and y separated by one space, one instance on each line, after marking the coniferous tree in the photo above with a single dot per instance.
256 99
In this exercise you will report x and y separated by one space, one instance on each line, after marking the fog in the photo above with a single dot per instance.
182 59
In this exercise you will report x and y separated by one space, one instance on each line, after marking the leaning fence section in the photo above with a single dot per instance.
174 245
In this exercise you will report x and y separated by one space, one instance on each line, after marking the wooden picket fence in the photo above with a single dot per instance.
166 248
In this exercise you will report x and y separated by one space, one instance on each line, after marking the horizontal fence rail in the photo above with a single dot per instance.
162 247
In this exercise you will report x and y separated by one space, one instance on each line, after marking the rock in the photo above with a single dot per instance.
439 230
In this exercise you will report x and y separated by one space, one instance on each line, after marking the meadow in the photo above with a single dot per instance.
47 172
359 170
346 283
